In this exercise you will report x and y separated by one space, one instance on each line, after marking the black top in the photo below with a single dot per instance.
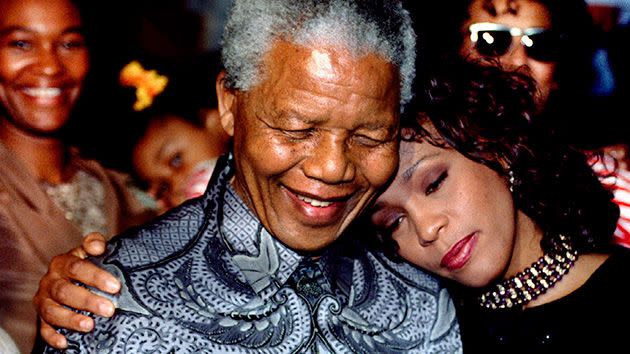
592 319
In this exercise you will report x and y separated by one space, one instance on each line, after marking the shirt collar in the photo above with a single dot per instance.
265 262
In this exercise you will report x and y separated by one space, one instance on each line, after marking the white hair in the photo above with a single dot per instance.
381 27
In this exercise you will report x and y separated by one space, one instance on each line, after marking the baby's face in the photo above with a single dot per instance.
176 159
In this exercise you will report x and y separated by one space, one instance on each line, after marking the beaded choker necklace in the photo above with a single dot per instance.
532 282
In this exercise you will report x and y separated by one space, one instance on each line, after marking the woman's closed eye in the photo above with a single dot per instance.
436 183
393 226
388 225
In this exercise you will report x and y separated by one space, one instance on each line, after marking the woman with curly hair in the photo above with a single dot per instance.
517 221
554 42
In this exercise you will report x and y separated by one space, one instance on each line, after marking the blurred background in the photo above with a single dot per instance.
177 36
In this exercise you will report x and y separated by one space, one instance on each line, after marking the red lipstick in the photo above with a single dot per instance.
459 254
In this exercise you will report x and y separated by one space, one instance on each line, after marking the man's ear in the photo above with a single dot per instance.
226 104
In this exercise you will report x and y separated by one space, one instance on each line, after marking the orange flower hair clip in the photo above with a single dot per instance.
148 83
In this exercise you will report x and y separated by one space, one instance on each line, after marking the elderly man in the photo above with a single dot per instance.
311 94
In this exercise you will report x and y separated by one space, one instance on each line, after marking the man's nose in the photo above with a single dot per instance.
330 161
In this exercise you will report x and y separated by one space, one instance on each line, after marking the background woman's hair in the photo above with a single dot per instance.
439 25
486 113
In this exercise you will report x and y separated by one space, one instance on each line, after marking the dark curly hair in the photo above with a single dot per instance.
441 35
485 113
569 108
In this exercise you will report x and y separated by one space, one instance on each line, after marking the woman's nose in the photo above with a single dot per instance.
429 225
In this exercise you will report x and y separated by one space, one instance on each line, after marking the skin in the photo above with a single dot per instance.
528 14
167 155
43 63
321 124
440 198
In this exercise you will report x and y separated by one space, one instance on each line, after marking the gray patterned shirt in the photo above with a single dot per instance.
208 278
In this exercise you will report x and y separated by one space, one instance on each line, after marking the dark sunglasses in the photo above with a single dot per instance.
494 40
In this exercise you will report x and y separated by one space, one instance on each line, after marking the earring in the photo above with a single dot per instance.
511 180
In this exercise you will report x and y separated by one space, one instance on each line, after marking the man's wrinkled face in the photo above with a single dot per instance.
314 140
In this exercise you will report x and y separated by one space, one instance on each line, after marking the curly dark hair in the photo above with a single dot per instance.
569 108
441 34
485 113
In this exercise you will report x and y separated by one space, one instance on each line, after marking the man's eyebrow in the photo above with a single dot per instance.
290 116
376 125
408 173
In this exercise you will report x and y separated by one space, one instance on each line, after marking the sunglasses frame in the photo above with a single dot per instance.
524 33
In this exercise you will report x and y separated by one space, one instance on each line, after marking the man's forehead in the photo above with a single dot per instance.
319 65
326 66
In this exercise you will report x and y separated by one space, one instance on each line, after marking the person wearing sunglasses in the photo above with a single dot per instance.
554 42
493 39
548 38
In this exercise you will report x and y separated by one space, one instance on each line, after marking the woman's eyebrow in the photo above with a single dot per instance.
10 29
408 173
74 29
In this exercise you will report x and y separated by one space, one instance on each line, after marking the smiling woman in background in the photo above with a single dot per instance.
49 196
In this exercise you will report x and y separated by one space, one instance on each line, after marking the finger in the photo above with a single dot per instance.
56 315
78 252
90 274
77 297
50 336
94 244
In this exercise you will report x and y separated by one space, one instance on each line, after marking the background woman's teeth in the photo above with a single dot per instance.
44 92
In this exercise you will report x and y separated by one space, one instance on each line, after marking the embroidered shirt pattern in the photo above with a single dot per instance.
208 278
